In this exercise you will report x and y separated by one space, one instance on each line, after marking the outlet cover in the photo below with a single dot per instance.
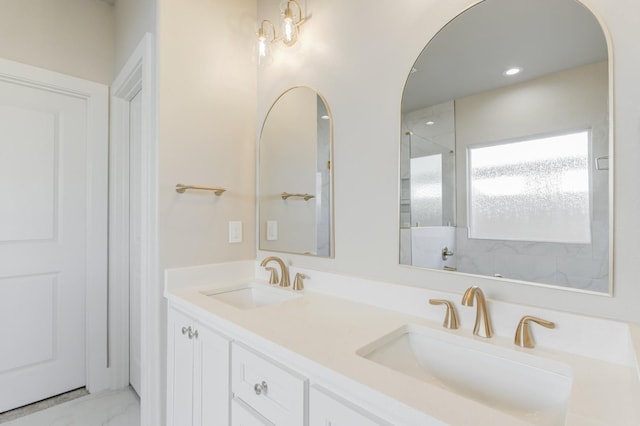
235 232
272 230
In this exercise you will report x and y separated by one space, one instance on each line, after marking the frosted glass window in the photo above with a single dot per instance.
532 190
426 190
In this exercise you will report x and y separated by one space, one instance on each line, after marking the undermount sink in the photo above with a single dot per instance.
248 296
532 388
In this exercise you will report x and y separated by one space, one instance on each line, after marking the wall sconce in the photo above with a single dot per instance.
290 23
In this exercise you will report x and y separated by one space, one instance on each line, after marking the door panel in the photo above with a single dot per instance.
135 226
43 188
31 305
29 215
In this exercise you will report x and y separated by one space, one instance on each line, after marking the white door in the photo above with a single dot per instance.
135 122
45 189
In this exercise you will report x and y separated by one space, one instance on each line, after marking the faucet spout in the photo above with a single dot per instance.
482 313
284 276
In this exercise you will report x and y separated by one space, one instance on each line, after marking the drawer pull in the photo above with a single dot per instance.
260 388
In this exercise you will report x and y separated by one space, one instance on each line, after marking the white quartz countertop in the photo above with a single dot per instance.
327 331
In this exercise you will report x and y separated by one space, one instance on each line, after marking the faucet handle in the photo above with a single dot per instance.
446 253
297 281
451 316
273 276
523 337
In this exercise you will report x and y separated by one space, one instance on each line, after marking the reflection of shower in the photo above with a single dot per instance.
427 182
418 142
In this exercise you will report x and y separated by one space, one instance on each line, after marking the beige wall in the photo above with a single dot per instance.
74 37
206 129
358 57
133 18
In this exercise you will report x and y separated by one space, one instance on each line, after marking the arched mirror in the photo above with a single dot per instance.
506 148
295 177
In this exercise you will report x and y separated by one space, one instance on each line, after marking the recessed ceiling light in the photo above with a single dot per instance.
430 123
325 117
512 71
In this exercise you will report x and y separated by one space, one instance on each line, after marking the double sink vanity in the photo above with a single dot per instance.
504 172
351 351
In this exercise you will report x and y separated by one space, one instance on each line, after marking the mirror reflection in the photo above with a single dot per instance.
505 147
295 186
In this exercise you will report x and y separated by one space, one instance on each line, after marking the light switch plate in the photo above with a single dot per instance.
272 230
235 232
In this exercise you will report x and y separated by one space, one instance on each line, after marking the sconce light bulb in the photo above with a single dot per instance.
291 22
263 48
289 31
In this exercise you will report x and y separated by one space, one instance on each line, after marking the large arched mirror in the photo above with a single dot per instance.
506 147
295 178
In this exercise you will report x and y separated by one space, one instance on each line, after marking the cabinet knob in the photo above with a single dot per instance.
193 334
260 388
186 330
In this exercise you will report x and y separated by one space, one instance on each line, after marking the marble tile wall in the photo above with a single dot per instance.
583 266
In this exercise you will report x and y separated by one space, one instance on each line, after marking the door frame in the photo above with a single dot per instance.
138 73
96 96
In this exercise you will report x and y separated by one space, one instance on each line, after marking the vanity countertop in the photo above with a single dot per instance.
327 331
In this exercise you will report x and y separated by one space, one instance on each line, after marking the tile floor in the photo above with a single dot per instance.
107 408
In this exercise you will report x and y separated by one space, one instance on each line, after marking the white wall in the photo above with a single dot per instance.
358 57
74 37
206 129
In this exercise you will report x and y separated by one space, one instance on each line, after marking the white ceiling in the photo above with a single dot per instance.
470 54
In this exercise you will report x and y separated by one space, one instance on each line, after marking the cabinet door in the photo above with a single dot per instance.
241 415
179 370
211 378
327 409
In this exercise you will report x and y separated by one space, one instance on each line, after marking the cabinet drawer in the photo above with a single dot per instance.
271 389
326 408
242 415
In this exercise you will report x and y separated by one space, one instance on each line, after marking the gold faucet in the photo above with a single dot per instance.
482 314
284 277
298 284
523 337
450 317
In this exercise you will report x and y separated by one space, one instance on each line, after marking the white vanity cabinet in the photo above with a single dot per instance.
215 380
197 373
326 408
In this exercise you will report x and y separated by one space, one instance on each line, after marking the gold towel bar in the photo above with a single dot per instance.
180 188
306 197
